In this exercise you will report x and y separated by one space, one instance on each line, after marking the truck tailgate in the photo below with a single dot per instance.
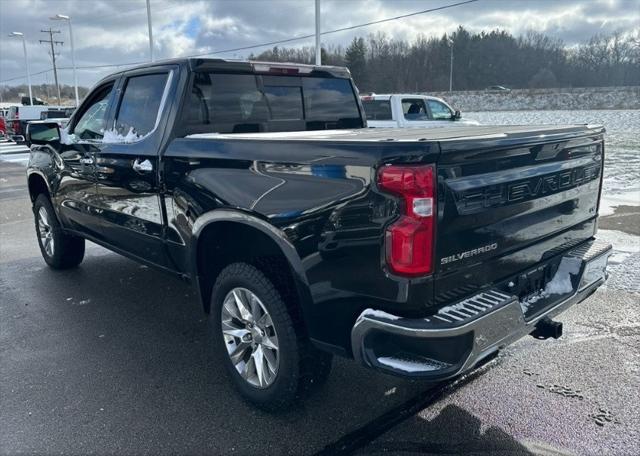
507 203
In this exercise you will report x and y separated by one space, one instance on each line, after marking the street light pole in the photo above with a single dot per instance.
62 17
451 67
150 29
318 47
26 62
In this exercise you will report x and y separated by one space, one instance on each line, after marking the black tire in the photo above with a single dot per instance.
300 365
65 251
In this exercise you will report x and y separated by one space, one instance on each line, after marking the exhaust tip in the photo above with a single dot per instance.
547 328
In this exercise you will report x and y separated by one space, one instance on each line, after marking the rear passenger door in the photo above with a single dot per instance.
127 171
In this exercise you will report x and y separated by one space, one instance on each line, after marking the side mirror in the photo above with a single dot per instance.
457 115
42 133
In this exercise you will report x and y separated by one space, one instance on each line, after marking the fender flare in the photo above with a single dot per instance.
237 216
37 172
43 176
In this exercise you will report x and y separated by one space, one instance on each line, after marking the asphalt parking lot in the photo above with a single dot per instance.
114 357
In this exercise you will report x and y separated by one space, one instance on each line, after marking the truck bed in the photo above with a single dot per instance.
446 134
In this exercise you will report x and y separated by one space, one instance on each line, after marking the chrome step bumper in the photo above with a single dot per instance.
459 336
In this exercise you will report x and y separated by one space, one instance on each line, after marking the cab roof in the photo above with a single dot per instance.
387 96
244 66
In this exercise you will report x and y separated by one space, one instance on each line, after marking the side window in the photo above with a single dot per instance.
414 109
139 107
439 111
377 109
92 121
224 103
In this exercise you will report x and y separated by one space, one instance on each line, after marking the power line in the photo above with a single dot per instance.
22 77
86 67
272 43
328 32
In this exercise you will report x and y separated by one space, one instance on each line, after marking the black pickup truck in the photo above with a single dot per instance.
417 252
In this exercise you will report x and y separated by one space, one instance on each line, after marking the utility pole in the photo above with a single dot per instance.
52 42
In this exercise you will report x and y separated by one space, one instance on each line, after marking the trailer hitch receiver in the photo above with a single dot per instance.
546 328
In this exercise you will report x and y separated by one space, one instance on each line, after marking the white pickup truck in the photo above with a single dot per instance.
409 111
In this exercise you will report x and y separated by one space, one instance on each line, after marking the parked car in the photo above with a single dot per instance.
18 117
497 89
418 252
59 115
4 112
410 111
33 101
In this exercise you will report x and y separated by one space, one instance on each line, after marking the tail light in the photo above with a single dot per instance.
409 240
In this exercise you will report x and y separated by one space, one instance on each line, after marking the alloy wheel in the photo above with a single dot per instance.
45 232
250 337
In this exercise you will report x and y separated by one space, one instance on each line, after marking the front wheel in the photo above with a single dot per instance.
59 250
268 361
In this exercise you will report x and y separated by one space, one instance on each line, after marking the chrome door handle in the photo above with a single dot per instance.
86 161
144 166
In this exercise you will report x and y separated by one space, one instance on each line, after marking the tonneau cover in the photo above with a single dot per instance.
480 132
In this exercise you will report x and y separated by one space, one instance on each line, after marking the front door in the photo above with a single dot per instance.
75 194
127 170
417 113
440 113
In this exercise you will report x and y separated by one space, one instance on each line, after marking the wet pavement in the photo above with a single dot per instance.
114 357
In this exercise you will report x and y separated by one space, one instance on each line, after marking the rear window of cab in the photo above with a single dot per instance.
243 103
377 109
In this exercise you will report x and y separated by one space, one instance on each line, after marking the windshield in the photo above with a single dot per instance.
246 103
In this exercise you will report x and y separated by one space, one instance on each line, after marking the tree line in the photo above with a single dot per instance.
46 92
383 64
534 60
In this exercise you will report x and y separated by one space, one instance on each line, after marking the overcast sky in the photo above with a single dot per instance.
115 31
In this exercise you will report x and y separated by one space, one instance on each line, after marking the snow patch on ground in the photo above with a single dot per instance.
624 245
624 263
409 365
609 202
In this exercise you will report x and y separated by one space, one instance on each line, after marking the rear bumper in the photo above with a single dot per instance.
458 337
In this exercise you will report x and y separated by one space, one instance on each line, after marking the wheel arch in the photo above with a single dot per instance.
226 235
37 184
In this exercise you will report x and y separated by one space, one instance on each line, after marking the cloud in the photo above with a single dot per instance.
115 31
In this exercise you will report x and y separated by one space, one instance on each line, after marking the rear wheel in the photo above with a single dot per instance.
269 362
59 250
